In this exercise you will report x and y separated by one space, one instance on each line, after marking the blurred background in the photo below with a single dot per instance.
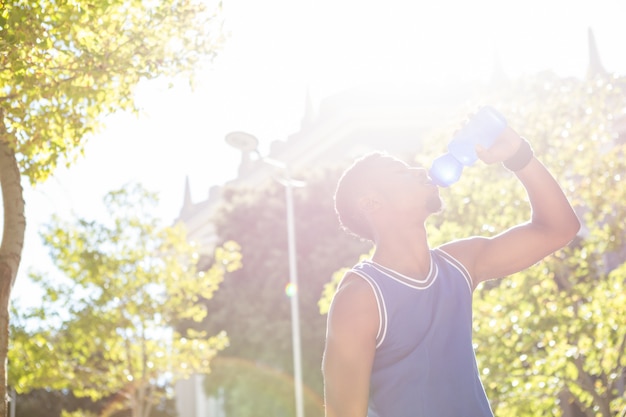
208 331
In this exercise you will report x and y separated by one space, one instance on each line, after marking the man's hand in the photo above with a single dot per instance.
502 149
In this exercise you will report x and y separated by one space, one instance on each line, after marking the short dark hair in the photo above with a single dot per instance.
352 185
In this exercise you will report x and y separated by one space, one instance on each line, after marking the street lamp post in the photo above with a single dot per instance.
246 142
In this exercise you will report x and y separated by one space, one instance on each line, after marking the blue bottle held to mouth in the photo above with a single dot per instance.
482 129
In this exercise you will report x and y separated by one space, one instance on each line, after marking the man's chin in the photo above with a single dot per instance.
435 205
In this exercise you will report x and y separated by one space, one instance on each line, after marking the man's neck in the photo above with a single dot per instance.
406 252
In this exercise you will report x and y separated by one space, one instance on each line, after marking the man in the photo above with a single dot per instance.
399 340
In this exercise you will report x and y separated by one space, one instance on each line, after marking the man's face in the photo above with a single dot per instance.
405 189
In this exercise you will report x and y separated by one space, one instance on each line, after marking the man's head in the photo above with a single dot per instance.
376 182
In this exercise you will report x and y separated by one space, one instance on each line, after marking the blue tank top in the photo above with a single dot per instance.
424 364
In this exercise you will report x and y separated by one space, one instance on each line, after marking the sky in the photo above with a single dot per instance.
275 53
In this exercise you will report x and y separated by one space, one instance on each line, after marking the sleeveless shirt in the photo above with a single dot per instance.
424 364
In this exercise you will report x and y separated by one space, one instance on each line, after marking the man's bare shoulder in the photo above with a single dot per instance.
354 298
466 250
353 289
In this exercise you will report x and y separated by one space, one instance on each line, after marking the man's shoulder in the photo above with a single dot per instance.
354 306
353 284
465 250
354 291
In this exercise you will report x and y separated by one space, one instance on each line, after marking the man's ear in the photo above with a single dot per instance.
368 204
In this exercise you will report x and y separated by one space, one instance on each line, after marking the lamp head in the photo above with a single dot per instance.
245 142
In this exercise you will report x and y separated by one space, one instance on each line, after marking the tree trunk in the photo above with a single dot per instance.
10 250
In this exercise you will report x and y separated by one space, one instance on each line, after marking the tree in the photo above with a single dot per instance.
550 340
252 305
64 66
44 402
554 336
107 328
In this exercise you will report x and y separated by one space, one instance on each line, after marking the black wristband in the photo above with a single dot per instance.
521 158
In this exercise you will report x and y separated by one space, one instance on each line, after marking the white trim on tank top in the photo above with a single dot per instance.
408 281
418 284
459 266
380 303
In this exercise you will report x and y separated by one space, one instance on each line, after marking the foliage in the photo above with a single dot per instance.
273 390
547 339
252 305
48 403
65 64
105 325
40 402
554 336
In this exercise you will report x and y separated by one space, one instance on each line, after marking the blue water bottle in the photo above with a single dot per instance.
483 128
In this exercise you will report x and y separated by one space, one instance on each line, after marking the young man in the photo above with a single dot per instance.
399 336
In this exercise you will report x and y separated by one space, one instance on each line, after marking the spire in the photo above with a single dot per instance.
595 66
187 203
